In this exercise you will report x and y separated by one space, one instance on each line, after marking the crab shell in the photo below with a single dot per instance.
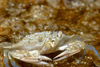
33 46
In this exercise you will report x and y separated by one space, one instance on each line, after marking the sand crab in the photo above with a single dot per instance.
32 47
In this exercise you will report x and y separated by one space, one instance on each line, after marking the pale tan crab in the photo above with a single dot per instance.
32 48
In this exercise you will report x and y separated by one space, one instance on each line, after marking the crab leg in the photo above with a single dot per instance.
32 57
8 58
90 48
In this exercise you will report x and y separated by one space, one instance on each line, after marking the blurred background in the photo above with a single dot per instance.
19 18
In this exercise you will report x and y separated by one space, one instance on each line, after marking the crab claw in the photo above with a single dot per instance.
69 50
36 60
32 57
65 54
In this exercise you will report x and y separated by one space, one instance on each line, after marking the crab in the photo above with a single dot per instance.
31 48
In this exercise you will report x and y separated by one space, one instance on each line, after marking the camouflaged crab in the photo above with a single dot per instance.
32 47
